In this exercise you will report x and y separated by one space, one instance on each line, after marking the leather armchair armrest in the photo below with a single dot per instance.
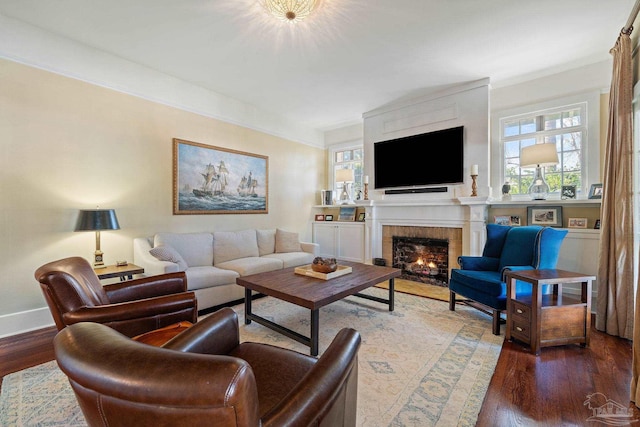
132 310
147 287
481 263
321 385
217 333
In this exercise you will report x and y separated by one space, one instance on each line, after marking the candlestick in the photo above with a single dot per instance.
366 190
474 186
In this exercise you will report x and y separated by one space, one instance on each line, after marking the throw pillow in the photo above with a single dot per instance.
167 253
266 241
287 241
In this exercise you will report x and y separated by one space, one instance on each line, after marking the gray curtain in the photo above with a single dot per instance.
615 307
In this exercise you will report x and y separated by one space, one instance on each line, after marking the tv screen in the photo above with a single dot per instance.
433 158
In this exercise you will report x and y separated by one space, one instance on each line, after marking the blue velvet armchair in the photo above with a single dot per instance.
480 279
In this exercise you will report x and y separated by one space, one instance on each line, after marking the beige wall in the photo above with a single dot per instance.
68 145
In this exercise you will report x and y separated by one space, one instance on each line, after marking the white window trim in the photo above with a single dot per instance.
591 149
350 145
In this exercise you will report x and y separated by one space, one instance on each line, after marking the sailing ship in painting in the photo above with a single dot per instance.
216 179
214 182
247 186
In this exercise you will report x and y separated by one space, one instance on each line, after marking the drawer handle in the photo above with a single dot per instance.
519 311
518 328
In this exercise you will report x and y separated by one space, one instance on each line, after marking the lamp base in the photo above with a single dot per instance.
539 188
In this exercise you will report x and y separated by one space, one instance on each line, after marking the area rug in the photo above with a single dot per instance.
420 365
426 290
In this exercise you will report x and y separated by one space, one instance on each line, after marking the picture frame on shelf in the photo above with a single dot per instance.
319 217
515 221
596 226
361 216
347 214
568 192
595 192
328 217
549 216
502 220
577 223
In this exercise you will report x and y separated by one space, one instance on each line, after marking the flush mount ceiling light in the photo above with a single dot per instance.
289 10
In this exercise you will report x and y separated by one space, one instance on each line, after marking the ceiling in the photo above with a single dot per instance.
350 57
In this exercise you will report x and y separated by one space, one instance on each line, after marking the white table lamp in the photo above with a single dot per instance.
345 176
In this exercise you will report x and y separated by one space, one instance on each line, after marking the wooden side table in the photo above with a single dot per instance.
546 320
124 272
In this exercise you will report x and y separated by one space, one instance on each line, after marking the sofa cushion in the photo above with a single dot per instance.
230 245
195 248
252 265
293 259
287 241
168 253
208 277
266 241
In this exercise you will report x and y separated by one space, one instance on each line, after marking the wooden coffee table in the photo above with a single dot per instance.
314 293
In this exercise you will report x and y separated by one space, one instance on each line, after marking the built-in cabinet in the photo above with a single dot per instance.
341 240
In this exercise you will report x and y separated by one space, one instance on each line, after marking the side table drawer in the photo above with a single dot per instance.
521 331
520 312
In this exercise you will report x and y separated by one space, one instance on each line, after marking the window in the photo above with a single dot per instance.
349 158
566 127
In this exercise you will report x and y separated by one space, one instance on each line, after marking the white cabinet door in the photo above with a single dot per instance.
326 236
342 241
351 242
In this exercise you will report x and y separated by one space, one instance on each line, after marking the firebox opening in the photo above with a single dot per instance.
422 259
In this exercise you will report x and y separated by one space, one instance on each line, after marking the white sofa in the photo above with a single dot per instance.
213 261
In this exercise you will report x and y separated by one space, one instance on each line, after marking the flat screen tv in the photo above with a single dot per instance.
433 158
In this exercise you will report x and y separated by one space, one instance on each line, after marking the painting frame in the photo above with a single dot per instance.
328 217
208 179
595 192
549 216
568 192
577 223
319 217
347 213
502 219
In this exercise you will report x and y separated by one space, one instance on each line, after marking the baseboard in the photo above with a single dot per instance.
25 321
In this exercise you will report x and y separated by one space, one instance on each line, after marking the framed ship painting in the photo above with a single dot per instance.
215 180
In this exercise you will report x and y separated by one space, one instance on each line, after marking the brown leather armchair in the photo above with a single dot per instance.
205 376
74 294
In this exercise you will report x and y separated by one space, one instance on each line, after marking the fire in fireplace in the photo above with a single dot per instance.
422 259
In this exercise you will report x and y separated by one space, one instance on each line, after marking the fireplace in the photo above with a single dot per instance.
421 259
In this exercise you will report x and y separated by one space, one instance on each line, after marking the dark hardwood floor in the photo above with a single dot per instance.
547 390
551 389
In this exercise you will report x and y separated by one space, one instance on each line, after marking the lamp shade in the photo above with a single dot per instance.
97 219
345 175
538 155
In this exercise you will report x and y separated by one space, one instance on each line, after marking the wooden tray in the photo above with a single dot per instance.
306 270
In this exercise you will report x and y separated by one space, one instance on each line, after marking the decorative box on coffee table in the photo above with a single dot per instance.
540 320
